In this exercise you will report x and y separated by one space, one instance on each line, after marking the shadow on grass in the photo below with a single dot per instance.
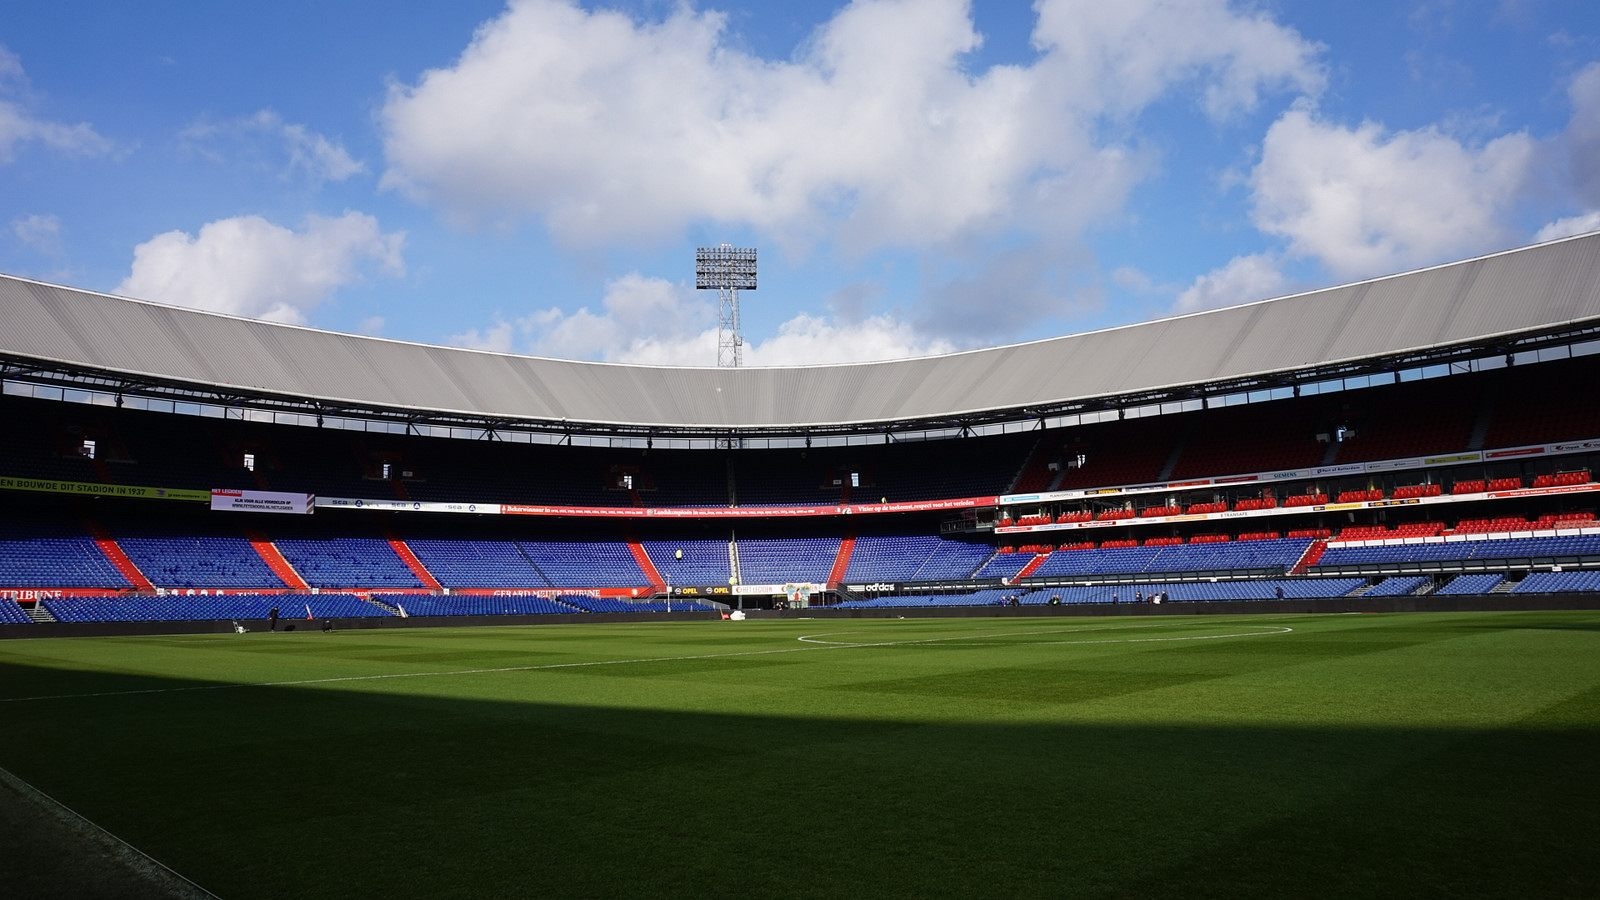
273 792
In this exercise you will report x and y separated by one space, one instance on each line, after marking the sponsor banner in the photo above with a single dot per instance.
228 500
791 590
920 505
877 588
714 590
406 505
1452 459
1288 475
746 512
26 594
102 490
544 593
1346 469
1575 447
239 592
1236 479
1544 491
1392 464
1513 452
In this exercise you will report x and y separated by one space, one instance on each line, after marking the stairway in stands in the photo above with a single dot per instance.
39 614
1033 565
646 565
841 562
269 553
1310 557
113 552
403 550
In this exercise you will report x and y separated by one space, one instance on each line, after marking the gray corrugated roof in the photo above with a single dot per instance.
1518 291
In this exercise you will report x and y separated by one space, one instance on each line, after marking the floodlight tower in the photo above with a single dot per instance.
727 270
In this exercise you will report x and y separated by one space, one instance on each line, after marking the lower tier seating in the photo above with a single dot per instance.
176 608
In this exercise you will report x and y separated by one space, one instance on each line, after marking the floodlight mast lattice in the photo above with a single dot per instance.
727 270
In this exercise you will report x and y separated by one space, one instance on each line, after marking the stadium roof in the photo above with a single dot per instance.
1494 303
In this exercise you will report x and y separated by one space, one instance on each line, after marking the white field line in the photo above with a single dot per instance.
153 871
970 638
811 644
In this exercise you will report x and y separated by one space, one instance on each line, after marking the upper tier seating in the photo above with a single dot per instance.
585 564
703 562
1004 565
1539 404
197 561
346 562
896 558
1562 479
53 555
1563 546
778 560
478 563
1233 556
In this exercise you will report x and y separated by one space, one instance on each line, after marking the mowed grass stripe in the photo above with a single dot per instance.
1339 758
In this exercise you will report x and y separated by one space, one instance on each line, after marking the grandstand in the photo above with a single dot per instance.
1393 440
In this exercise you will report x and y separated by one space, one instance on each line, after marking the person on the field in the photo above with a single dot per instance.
272 619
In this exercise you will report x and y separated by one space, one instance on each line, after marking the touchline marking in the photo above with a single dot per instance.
809 640
144 865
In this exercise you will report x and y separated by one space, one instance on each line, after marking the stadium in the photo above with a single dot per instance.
979 647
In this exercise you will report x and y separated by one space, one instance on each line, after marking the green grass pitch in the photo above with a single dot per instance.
1414 755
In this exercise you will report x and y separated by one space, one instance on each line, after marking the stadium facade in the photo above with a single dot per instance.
1411 436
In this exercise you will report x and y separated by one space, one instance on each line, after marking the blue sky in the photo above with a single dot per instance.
920 176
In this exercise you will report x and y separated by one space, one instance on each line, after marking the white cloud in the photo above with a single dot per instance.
1581 141
251 267
1569 226
41 233
812 340
20 126
1365 201
655 322
1125 55
298 150
875 133
1243 279
498 337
